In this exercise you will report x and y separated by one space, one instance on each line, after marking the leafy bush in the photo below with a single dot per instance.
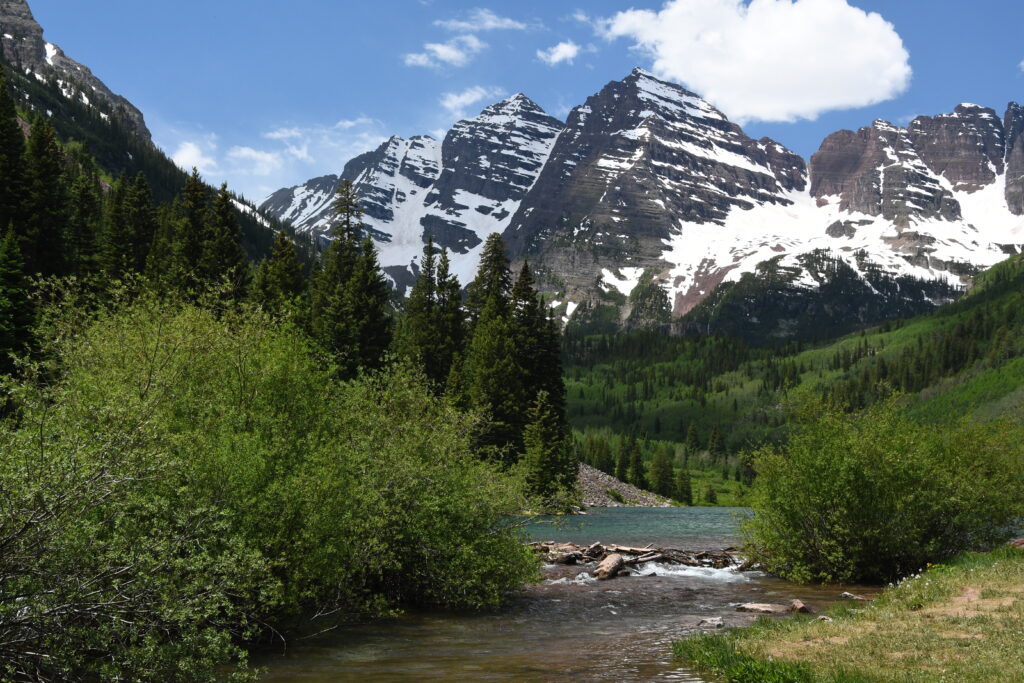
185 482
874 496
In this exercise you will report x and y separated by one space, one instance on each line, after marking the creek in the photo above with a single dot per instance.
568 627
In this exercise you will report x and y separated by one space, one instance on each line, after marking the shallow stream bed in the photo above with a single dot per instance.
570 627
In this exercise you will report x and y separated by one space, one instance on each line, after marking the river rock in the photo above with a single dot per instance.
851 596
610 567
763 608
713 622
799 606
1018 544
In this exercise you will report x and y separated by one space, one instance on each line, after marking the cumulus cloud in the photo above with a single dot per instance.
254 161
565 51
771 60
198 154
1021 65
457 104
459 51
481 20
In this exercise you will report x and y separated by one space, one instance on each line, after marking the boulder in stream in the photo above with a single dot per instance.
763 608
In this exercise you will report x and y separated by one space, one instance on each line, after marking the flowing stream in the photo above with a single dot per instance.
569 627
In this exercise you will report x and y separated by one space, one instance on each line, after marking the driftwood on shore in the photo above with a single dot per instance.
614 560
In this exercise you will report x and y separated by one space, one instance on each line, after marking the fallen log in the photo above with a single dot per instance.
644 559
610 567
763 608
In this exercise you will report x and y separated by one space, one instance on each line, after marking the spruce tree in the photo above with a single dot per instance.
187 236
637 473
451 318
142 220
116 257
12 158
224 261
546 457
370 307
683 487
45 202
492 381
15 306
85 224
710 495
493 280
692 440
279 280
419 336
661 473
622 459
715 444
538 340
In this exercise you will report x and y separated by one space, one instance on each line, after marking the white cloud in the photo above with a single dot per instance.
1021 65
457 103
565 51
255 162
771 60
458 51
481 20
197 154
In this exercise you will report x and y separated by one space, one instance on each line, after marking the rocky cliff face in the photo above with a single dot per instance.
647 183
455 192
23 45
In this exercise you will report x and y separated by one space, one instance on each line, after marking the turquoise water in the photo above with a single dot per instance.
690 528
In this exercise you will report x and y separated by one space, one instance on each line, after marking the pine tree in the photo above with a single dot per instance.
622 459
370 307
661 473
142 220
348 213
279 280
493 280
419 335
85 224
538 340
692 440
224 261
547 457
116 258
188 235
451 318
715 444
710 495
15 306
492 381
637 473
683 487
12 158
45 202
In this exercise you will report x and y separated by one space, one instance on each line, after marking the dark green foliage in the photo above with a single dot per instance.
622 460
44 212
547 458
637 471
538 344
12 161
649 304
224 262
350 312
279 281
662 473
710 495
85 223
15 307
875 496
683 488
493 280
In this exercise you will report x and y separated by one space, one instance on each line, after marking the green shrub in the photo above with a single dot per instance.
874 496
184 481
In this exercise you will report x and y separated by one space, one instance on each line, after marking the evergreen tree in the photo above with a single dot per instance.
715 444
637 473
279 278
710 495
451 318
547 456
661 473
45 202
538 341
15 306
224 260
85 224
692 440
348 214
370 307
12 158
683 487
188 235
493 280
492 381
142 220
622 459
116 258
419 335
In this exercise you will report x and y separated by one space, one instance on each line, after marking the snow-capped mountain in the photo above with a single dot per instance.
23 46
647 180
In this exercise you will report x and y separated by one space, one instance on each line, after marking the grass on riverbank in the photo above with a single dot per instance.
963 621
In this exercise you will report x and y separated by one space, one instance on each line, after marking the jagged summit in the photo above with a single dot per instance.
647 181
23 46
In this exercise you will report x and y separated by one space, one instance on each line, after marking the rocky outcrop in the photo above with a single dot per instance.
966 147
23 45
603 490
1013 125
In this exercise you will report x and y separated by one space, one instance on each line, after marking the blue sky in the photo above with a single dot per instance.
265 94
